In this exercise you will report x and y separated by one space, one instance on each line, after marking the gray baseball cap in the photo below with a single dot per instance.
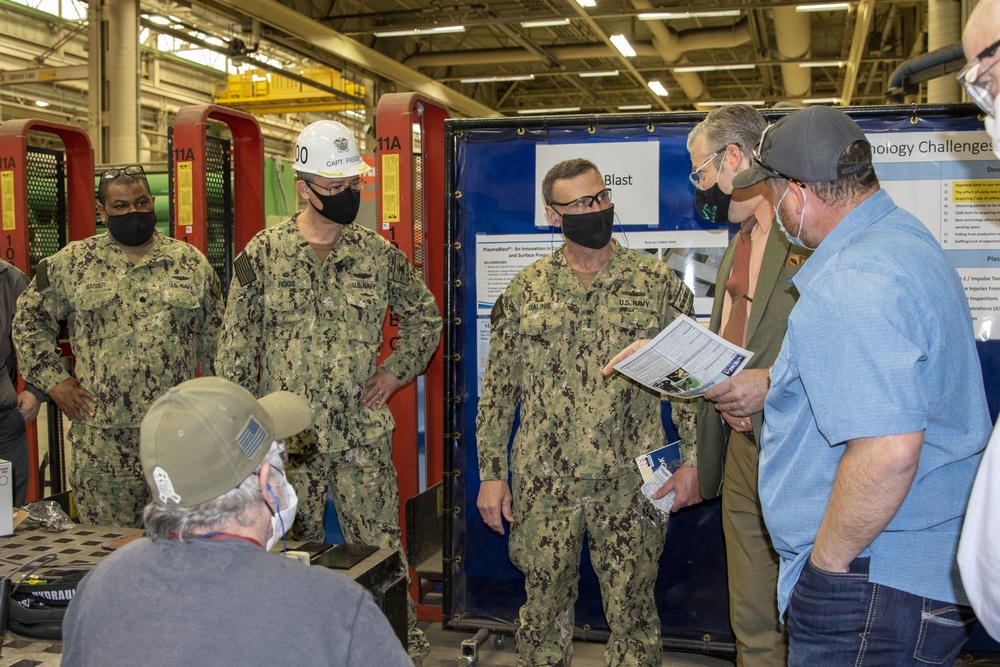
205 436
804 146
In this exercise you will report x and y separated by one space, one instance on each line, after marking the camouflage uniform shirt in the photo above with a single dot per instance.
550 339
136 329
315 328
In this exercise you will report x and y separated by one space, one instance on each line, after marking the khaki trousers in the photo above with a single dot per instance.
752 562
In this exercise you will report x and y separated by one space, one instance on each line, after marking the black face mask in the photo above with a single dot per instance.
591 230
712 204
133 228
341 208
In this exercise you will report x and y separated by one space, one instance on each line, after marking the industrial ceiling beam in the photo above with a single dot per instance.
862 24
287 20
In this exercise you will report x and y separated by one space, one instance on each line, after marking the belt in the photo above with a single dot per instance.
747 434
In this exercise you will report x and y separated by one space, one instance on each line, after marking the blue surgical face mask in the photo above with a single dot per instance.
794 240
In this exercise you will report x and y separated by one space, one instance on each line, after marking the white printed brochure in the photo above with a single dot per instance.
685 360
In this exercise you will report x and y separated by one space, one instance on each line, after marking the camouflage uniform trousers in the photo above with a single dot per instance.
626 535
106 476
363 482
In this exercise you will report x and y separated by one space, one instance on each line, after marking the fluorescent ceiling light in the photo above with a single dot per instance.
828 7
823 63
545 23
621 43
658 88
752 103
635 107
41 103
360 115
587 3
587 75
421 31
822 100
528 112
676 16
493 79
711 68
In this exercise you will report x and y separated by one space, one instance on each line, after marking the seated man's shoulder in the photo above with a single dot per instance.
315 580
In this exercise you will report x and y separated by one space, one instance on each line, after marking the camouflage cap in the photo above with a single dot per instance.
205 436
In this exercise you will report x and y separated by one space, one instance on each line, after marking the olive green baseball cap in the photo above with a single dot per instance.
205 436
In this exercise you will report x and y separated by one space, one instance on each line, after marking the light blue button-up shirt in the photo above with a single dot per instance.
879 343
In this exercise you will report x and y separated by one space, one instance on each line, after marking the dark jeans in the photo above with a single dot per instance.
843 619
14 448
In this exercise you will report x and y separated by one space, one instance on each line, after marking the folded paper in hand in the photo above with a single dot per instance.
685 360
656 467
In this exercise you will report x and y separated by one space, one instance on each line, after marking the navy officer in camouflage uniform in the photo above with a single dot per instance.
305 314
143 313
573 458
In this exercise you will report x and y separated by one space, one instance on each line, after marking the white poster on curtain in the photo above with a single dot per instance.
949 180
631 170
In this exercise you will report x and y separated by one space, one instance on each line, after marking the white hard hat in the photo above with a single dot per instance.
327 148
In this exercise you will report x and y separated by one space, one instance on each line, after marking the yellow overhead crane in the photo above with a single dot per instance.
262 92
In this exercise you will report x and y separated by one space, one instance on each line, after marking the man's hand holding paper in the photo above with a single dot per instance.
684 485
741 395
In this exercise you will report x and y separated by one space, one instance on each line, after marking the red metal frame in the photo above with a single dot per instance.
396 115
190 174
14 233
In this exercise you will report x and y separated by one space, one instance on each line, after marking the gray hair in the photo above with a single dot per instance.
738 124
565 170
166 522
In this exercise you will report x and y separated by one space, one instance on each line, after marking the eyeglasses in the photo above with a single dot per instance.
587 201
973 78
336 189
134 170
768 169
695 175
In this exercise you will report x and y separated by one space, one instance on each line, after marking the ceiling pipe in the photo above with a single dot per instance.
676 45
792 37
690 40
665 41
906 78
510 56
944 29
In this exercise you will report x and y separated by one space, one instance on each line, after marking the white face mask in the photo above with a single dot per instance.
794 240
991 126
283 516
282 520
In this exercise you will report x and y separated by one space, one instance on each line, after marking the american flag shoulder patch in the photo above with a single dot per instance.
244 270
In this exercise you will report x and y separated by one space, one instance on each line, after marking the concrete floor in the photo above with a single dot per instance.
446 651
